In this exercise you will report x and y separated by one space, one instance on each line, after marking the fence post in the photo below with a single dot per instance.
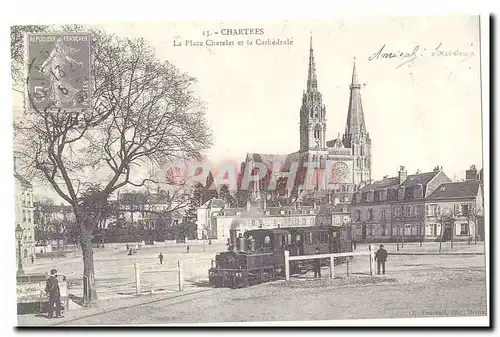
332 267
371 263
181 275
287 265
137 278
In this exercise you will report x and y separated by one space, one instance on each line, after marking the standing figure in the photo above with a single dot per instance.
317 266
62 92
32 259
161 258
128 247
354 242
381 257
52 289
187 249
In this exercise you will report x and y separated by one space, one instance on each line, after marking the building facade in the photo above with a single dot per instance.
456 211
24 212
214 221
394 208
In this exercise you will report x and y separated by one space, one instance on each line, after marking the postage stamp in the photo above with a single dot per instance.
58 68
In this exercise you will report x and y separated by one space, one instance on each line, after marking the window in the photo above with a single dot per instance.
304 220
438 210
413 211
383 216
465 209
358 215
29 216
323 237
370 214
427 210
407 210
464 229
24 216
434 229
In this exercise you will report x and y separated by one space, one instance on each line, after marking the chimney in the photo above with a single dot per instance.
471 174
438 168
418 171
402 174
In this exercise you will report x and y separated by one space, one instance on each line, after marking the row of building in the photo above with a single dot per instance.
420 206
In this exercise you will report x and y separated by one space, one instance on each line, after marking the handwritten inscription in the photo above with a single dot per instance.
417 51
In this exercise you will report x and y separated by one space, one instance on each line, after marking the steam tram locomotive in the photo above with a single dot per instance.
257 256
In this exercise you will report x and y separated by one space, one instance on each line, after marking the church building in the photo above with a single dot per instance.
349 155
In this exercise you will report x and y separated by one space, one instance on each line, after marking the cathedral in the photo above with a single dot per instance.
349 156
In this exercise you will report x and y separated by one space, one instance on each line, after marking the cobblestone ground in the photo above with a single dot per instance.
414 286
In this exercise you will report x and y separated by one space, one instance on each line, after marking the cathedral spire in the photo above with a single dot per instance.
355 117
312 82
355 82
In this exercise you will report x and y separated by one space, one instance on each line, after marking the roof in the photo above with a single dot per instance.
381 184
463 189
421 178
269 159
22 180
411 180
213 203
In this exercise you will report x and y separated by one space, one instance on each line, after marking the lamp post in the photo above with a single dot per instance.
19 236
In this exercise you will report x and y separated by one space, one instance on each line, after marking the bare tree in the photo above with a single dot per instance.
474 214
144 113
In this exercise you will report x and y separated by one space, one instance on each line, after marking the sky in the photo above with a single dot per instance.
420 114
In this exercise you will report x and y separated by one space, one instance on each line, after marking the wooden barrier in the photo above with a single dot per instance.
288 258
179 270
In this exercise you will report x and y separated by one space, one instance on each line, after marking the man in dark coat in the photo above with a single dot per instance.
161 258
381 257
317 266
52 289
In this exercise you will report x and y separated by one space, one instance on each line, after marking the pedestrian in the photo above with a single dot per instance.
161 258
32 259
128 247
354 242
317 266
381 257
187 249
52 290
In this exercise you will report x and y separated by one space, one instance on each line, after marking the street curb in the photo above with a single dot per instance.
101 311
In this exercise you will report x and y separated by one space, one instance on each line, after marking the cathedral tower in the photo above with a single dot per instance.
312 112
356 137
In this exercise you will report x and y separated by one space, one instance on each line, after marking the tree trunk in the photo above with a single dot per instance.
89 289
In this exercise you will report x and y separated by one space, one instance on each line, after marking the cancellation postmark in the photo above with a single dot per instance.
58 72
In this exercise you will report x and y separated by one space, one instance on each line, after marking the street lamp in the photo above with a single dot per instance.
19 236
